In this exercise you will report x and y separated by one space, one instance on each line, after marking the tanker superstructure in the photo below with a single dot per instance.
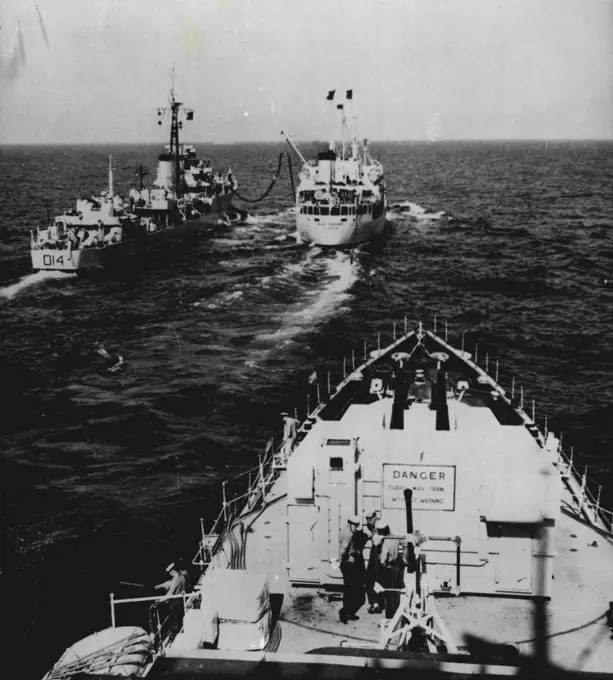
341 196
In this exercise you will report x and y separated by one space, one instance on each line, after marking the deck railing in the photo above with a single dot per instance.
260 480
586 505
162 617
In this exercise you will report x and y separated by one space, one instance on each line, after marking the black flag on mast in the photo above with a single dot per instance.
340 106
349 94
330 96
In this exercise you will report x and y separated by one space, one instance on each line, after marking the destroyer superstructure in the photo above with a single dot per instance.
100 231
494 520
340 197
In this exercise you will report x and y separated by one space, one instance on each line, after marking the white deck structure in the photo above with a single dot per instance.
511 549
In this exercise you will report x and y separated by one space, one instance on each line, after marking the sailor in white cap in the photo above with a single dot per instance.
353 541
178 582
176 586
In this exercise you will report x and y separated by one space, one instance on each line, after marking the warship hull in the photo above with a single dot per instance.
74 260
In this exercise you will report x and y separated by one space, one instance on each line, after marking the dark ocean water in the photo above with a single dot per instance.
105 474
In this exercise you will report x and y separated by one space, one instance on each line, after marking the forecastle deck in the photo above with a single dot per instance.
481 475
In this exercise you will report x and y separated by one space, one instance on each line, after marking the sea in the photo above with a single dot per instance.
128 396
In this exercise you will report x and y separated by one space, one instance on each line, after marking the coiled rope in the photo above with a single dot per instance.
263 196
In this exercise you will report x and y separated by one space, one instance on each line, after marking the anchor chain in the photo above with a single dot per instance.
263 196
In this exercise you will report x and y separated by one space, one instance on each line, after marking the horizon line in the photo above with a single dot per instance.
419 140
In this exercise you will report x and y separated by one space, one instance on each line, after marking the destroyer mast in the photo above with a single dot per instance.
175 125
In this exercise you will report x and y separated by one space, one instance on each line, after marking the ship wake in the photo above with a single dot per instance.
334 276
9 292
409 209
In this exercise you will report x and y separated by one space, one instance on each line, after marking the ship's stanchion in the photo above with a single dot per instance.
497 369
540 615
365 351
446 331
476 353
329 386
353 360
513 387
533 411
463 339
224 503
112 597
582 490
597 509
405 324
569 467
262 480
521 397
487 361
435 324
379 341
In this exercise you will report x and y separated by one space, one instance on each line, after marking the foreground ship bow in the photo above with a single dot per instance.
504 559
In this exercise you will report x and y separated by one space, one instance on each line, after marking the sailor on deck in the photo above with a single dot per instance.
375 600
177 585
290 426
390 569
353 541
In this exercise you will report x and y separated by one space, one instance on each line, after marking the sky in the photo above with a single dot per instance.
419 69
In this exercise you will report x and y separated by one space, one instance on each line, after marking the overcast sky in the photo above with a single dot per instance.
446 69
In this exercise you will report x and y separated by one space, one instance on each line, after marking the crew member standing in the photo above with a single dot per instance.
290 428
391 569
177 585
353 541
372 568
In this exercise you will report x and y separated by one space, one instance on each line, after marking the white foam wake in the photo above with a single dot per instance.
225 299
339 275
9 292
269 218
416 210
